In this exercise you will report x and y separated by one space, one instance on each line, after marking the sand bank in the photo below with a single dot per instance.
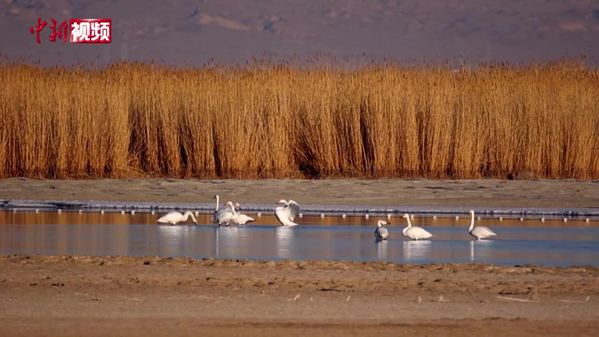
101 296
415 195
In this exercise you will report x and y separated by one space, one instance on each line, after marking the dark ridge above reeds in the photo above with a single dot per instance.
279 120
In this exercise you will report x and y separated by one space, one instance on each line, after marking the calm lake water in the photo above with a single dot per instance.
552 243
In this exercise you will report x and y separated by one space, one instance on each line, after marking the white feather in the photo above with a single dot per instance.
176 217
415 233
286 214
479 232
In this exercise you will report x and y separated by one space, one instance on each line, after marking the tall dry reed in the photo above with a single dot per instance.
288 121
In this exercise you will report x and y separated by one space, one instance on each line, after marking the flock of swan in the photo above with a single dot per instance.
287 211
419 233
228 214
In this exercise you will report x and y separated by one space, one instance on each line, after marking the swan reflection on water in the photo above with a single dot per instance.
416 250
284 236
479 249
174 238
382 249
227 241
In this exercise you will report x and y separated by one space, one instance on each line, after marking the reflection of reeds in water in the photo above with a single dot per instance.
283 121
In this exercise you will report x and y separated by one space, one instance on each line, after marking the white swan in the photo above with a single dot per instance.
413 232
239 218
479 232
174 217
242 219
225 214
381 233
286 214
217 209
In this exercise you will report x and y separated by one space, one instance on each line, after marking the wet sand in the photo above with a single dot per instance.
570 194
107 296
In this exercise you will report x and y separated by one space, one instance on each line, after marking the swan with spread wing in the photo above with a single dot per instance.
287 212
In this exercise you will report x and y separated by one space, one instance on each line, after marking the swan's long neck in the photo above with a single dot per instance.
409 225
188 214
471 222
217 202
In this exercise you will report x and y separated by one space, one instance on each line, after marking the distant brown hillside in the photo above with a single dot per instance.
186 32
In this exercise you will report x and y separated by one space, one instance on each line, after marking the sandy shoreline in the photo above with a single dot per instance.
72 296
421 195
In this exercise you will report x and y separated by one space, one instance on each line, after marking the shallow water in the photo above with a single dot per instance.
552 243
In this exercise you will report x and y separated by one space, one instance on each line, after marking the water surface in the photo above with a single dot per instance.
553 243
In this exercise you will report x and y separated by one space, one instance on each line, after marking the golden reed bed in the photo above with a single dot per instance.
132 120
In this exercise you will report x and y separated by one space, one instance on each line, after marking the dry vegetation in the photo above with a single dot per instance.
288 121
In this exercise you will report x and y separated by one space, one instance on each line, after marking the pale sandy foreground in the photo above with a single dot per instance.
329 192
112 296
